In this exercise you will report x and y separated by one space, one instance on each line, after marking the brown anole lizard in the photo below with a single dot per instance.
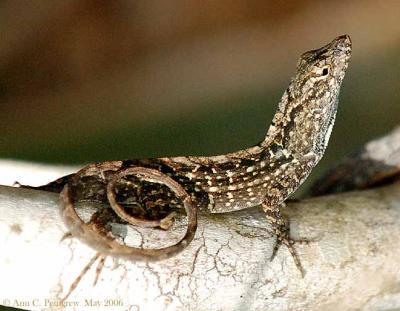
145 192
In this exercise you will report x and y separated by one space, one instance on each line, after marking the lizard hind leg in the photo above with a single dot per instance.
97 234
165 222
281 229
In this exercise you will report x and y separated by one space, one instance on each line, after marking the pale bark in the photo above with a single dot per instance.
352 263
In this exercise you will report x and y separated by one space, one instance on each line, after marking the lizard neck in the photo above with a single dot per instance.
301 126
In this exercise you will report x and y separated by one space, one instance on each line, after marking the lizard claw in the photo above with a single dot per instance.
289 243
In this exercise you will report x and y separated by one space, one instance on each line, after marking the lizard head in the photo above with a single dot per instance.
325 68
306 113
321 72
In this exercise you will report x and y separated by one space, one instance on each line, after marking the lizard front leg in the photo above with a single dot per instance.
281 228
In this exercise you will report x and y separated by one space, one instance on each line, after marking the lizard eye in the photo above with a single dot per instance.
320 73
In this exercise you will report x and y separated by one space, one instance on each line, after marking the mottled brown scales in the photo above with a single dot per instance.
146 191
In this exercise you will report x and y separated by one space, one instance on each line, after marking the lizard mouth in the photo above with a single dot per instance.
342 42
340 45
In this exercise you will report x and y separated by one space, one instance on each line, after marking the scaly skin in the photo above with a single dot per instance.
144 192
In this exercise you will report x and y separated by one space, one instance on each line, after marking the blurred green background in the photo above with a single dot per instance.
84 81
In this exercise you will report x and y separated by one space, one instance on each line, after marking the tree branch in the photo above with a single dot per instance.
351 263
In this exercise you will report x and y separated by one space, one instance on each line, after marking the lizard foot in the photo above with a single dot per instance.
281 229
283 237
